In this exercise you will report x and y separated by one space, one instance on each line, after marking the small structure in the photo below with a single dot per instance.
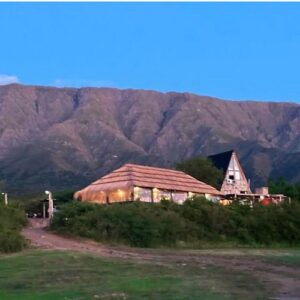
149 184
264 190
235 181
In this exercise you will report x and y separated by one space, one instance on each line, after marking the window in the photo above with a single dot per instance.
178 197
231 177
145 195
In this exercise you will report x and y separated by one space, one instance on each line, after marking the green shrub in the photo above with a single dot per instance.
167 224
12 220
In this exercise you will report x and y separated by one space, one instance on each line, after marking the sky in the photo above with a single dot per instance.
238 51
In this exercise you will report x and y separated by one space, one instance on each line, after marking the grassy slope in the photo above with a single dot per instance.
65 275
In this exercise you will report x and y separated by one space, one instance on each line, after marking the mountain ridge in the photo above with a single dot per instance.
156 91
66 137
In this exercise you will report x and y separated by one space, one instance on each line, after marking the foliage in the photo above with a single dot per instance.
136 224
63 196
196 222
280 186
12 220
202 169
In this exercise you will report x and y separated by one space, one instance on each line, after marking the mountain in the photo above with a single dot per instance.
58 138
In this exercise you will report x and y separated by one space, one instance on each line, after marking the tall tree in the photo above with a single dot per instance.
280 186
202 169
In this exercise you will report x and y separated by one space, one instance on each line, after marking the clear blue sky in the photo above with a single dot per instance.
228 50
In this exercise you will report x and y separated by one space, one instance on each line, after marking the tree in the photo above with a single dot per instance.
63 196
202 169
280 186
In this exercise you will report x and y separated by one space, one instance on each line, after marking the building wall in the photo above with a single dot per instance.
92 196
135 193
104 197
120 195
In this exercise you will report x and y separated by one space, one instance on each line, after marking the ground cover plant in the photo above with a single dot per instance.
12 220
196 223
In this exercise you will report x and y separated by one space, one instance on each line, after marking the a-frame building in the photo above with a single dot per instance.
235 181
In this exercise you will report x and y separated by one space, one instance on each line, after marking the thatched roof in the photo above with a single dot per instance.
131 175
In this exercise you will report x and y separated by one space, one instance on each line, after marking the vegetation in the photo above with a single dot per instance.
12 219
202 169
48 275
280 186
195 223
62 197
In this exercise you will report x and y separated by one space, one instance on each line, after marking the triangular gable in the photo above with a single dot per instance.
235 181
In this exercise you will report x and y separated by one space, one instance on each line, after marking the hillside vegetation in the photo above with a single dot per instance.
11 222
196 223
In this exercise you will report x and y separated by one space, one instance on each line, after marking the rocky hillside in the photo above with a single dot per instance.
63 138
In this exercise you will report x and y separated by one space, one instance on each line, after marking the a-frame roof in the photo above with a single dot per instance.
222 160
130 175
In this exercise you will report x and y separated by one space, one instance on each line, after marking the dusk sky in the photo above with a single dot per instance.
228 50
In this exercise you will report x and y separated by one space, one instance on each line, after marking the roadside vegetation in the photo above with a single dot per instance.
197 223
12 220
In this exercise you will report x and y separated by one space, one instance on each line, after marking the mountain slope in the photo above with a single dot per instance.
64 138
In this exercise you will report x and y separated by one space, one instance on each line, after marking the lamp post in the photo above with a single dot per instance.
5 198
50 200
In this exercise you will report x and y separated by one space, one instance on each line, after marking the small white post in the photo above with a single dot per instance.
50 200
5 198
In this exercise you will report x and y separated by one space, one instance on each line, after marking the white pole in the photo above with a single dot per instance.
50 200
5 198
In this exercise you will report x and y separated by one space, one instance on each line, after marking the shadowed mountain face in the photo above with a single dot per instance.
64 138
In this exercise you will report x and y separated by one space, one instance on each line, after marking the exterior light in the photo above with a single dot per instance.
51 207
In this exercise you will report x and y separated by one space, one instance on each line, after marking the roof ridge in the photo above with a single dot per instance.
152 167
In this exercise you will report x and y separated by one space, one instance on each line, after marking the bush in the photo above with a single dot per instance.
12 220
168 224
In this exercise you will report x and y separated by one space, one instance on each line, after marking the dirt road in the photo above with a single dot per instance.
284 279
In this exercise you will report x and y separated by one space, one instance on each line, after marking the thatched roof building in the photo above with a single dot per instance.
150 184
